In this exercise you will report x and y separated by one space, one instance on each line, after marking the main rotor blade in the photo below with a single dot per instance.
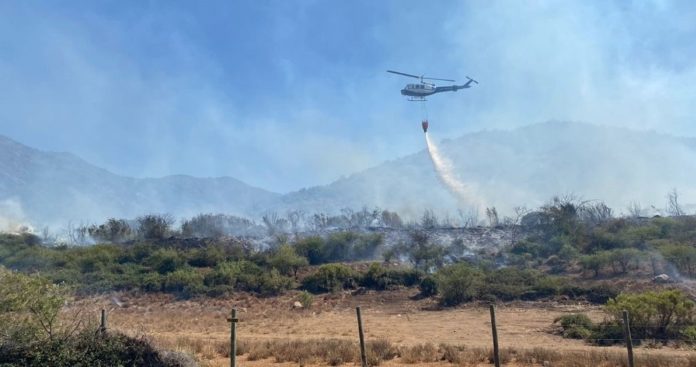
404 74
445 80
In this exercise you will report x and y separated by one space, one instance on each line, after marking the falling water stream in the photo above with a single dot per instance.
445 172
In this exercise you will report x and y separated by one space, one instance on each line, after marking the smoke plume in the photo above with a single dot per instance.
465 194
12 217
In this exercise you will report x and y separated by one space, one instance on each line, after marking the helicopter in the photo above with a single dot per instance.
418 92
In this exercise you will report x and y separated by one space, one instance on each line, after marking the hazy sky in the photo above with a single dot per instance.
286 94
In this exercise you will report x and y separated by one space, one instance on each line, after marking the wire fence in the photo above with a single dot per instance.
497 351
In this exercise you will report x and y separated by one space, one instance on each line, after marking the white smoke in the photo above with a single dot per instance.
12 219
465 194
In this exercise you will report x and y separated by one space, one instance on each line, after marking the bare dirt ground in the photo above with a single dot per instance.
394 316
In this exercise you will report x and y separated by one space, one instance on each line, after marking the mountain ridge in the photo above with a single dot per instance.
522 166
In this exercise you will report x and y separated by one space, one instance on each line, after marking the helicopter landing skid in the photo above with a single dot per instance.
417 99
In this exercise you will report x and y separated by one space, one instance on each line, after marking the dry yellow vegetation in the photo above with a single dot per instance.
272 333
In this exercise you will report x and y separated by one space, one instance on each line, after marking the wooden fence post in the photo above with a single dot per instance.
102 322
233 337
629 341
363 356
494 329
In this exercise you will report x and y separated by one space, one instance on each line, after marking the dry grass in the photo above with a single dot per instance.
598 357
195 346
398 330
380 350
419 353
336 352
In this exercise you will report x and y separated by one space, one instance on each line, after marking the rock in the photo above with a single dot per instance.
662 278
297 304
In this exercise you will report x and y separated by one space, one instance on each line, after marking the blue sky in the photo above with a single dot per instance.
287 94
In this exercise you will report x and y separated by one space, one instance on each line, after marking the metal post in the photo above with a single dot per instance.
102 322
363 356
233 337
629 341
496 352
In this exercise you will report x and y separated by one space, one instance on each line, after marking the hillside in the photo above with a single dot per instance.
54 188
525 166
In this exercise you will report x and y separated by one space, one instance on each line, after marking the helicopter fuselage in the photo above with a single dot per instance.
423 90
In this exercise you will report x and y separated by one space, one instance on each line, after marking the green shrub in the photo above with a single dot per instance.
595 262
689 334
244 275
87 348
137 253
598 294
381 278
458 283
376 277
683 256
624 259
577 332
306 299
330 278
608 334
574 320
428 287
406 277
166 260
232 273
206 257
657 315
152 282
186 282
509 283
29 306
653 315
286 260
312 248
272 283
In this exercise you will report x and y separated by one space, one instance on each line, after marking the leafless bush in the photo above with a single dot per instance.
296 219
595 213
222 347
154 226
492 215
429 220
635 210
274 223
452 353
391 219
337 352
380 350
217 225
260 350
674 208
539 355
505 355
468 218
419 353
